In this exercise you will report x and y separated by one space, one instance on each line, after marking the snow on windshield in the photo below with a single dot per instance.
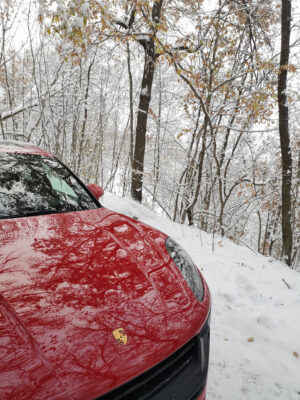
34 184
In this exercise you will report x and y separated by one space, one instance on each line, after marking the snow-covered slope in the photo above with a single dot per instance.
255 325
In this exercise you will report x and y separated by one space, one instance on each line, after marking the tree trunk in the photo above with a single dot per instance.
131 144
141 125
287 237
145 98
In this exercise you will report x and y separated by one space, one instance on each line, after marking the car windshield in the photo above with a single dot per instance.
32 185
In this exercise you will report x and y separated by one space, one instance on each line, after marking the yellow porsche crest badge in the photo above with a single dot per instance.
120 336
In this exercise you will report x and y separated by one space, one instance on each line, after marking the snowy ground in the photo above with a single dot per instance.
255 326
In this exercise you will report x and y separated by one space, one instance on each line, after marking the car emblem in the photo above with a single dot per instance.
120 336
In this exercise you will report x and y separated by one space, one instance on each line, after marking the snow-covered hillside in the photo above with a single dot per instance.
255 325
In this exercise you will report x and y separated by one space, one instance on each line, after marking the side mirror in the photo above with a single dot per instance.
96 190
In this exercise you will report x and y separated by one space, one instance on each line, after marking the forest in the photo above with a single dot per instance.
190 107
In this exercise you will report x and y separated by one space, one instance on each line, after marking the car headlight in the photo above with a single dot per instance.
186 266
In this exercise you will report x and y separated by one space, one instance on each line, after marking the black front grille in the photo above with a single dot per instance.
182 376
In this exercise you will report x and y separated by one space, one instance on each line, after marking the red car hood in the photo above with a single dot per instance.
67 282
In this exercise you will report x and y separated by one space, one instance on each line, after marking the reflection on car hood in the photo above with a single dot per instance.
67 282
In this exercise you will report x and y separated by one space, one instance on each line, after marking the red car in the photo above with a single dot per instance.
93 304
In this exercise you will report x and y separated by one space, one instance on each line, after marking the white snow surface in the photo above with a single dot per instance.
255 320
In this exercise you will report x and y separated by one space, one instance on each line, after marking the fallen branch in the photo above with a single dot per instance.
284 281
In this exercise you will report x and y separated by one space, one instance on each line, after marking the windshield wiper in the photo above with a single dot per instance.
34 213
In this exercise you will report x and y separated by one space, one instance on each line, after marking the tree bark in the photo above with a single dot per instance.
131 144
141 125
287 236
144 102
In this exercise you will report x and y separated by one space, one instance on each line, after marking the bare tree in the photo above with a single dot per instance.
286 156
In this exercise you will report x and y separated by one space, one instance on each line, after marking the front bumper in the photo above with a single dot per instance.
181 376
